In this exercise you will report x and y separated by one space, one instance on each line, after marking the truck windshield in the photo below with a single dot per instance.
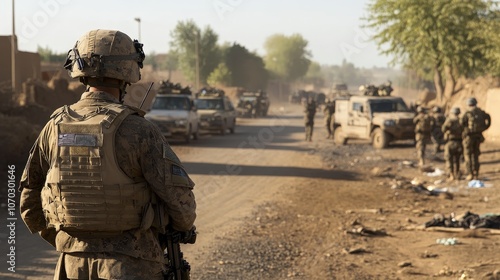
209 104
385 106
171 103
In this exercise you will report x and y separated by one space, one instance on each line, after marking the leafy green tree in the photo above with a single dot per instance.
187 37
171 62
220 76
314 74
46 54
287 56
444 36
247 69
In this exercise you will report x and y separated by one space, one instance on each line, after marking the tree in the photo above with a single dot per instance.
287 57
314 74
444 36
220 76
247 69
186 38
171 62
47 55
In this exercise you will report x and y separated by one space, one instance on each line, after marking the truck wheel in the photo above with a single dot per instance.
231 129
187 138
380 139
223 129
338 136
196 134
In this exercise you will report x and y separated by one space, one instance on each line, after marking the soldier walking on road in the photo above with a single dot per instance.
474 121
423 125
436 133
329 112
101 183
453 149
310 112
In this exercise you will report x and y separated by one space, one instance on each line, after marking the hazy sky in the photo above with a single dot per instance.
332 27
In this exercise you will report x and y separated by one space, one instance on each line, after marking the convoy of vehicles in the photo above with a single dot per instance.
180 114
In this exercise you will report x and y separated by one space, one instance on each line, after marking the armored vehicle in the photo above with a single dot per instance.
380 119
253 104
176 115
217 113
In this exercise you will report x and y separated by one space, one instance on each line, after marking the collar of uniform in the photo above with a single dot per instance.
99 95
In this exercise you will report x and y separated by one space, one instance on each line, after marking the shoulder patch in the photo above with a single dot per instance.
177 170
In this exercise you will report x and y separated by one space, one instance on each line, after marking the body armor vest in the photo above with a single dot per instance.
86 190
455 130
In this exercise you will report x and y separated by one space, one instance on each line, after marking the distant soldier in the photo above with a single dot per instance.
453 148
474 121
310 112
423 124
436 133
329 112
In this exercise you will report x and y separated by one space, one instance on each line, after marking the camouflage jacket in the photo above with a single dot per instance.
142 152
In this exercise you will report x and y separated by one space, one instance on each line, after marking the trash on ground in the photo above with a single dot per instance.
435 173
447 241
467 220
476 184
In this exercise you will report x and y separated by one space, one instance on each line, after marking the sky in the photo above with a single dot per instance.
333 28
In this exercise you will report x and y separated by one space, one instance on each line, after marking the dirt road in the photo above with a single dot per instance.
271 206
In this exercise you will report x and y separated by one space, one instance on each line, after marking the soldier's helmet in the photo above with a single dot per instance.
436 109
472 101
420 109
455 111
106 54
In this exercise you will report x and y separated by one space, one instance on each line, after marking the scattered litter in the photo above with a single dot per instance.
467 220
447 241
476 184
435 173
367 231
407 163
354 251
404 264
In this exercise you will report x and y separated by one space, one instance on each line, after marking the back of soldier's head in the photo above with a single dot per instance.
471 102
455 111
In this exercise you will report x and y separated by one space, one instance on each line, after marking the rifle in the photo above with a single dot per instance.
178 267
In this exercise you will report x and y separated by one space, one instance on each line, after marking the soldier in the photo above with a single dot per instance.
329 112
101 182
474 121
438 119
310 112
453 149
423 125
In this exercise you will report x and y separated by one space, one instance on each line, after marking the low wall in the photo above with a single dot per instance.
491 107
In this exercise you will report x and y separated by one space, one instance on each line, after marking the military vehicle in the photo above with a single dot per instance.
253 104
380 119
174 112
217 113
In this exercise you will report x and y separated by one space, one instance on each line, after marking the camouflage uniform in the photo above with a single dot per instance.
329 112
310 112
437 133
473 139
141 152
423 123
453 149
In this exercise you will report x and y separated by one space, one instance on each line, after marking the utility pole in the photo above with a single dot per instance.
197 52
138 19
13 50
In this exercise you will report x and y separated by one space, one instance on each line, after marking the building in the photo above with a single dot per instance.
27 64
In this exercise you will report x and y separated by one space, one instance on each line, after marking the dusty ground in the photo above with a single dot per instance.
271 206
